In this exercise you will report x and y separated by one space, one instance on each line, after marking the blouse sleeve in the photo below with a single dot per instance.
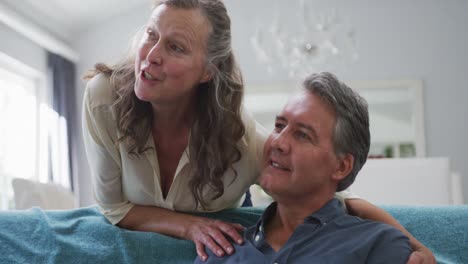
100 135
345 195
261 135
256 136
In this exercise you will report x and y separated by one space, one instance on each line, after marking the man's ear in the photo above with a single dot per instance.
345 165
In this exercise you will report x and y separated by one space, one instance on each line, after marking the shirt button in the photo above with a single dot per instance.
257 238
261 228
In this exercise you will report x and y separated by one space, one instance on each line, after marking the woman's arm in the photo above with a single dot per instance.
202 231
366 210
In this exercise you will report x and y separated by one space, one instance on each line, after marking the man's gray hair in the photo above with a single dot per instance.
351 133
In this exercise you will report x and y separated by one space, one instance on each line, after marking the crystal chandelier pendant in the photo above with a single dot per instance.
318 42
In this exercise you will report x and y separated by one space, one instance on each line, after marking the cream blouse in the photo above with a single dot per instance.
120 181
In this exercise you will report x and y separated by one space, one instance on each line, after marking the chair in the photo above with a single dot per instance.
48 196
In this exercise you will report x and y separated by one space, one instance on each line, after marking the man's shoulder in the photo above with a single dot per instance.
368 226
379 239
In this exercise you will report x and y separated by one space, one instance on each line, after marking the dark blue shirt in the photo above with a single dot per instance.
327 236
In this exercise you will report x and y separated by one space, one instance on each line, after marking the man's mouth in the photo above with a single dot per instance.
278 166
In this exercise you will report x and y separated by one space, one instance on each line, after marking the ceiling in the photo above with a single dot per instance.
64 18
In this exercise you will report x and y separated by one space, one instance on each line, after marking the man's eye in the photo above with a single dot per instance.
150 34
279 126
302 135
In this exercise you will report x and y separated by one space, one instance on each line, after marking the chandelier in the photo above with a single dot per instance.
317 42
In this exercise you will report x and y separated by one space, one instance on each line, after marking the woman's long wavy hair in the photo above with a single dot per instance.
217 127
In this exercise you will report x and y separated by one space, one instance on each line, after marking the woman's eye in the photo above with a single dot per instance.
176 48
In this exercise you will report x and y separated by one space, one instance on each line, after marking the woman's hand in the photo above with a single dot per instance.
213 234
202 231
422 256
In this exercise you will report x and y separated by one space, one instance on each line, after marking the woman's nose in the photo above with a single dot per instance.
154 55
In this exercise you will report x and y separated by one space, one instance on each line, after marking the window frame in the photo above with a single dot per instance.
42 94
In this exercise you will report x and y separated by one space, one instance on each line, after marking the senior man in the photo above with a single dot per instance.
320 142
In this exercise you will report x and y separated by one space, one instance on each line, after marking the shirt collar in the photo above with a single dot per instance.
331 210
257 235
327 213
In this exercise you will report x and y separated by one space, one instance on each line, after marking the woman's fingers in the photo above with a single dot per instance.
218 236
239 227
201 250
213 234
232 230
208 241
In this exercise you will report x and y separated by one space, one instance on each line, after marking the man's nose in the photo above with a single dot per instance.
280 142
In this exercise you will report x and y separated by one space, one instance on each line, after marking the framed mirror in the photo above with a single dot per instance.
396 111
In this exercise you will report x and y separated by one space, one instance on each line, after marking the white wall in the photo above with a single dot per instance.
419 39
104 43
22 49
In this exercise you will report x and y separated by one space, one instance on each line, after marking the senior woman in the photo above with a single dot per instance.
165 133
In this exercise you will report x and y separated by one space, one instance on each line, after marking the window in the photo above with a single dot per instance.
33 141
18 142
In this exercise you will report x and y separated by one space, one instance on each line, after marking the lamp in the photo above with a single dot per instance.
318 42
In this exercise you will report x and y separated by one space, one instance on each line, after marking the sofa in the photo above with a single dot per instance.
84 236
